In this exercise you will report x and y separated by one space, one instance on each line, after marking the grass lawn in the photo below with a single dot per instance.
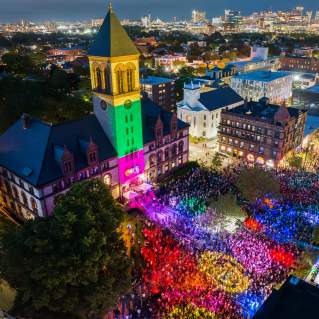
227 205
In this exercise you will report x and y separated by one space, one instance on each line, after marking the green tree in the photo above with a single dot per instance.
186 71
18 63
217 161
295 161
64 82
256 183
70 265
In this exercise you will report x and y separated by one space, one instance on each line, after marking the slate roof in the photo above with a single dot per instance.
219 98
36 148
150 114
34 153
112 40
262 111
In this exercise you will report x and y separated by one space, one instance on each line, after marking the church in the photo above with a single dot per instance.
128 141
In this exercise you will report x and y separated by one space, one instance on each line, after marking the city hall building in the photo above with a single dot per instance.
128 142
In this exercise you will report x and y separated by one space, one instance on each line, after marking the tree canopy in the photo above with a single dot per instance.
70 265
256 183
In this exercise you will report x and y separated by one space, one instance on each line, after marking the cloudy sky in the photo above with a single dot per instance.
40 10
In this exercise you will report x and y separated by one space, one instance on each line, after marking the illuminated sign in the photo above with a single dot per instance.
132 170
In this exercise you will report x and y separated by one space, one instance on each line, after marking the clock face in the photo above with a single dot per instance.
128 104
103 105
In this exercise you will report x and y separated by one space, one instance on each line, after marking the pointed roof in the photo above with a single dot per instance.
112 40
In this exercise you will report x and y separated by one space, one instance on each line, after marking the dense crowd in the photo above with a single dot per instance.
191 193
188 262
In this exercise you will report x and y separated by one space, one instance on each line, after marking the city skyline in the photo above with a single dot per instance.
36 10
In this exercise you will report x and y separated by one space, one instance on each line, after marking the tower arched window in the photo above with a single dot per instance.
107 78
98 80
120 78
130 73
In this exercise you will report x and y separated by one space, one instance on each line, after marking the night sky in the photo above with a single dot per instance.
40 10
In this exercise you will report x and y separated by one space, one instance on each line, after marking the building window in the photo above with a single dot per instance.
99 80
34 205
181 147
107 179
24 199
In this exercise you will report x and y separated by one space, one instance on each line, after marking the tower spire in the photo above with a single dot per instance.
110 6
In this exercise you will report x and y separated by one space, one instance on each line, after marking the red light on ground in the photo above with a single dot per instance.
252 224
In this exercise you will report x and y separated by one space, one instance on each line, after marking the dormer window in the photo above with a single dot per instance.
67 167
92 157
92 153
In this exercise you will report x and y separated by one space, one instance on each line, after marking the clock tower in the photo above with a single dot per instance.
114 67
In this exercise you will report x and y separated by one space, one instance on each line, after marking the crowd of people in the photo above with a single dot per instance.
179 232
191 193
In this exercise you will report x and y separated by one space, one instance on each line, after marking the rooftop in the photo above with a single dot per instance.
264 111
33 153
263 76
155 80
219 98
30 152
112 40
294 300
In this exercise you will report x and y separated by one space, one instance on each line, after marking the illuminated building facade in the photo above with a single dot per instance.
259 132
127 142
276 86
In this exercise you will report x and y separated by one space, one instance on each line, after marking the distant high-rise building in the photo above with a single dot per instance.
198 16
146 21
232 19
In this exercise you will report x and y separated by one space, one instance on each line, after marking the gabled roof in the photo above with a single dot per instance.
150 114
219 98
33 153
112 40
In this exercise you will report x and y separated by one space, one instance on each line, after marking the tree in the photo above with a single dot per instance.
186 71
217 161
256 183
295 161
70 265
62 81
18 63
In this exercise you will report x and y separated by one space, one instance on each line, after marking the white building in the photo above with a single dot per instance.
276 86
201 110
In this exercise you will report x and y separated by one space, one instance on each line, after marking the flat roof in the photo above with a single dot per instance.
312 124
263 76
155 80
296 299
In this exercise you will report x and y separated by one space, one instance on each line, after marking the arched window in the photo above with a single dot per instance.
159 156
24 199
181 146
107 179
120 81
34 205
130 67
15 192
152 159
174 149
98 80
107 78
